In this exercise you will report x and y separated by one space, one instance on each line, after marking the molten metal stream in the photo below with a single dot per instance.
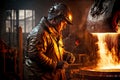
107 51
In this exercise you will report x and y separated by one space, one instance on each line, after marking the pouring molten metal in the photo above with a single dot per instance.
107 51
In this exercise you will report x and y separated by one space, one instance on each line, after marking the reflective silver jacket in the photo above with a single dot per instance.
44 46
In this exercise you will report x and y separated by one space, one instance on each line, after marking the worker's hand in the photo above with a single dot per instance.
69 57
62 65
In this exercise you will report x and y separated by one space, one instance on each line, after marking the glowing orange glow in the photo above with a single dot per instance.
107 51
70 17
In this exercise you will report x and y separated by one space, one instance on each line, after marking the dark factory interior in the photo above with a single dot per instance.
19 17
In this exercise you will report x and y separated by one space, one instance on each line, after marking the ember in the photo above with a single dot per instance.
77 42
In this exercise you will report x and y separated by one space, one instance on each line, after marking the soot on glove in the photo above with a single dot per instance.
62 65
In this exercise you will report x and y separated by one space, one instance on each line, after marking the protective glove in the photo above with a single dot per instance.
62 65
69 57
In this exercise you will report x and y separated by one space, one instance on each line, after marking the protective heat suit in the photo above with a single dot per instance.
46 59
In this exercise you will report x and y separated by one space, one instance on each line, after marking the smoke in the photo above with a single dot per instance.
80 12
99 16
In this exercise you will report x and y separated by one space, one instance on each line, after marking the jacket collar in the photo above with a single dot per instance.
49 27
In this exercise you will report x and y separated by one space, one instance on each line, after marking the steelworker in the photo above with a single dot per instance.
46 58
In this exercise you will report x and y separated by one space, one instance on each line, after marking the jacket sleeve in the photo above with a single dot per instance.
42 58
